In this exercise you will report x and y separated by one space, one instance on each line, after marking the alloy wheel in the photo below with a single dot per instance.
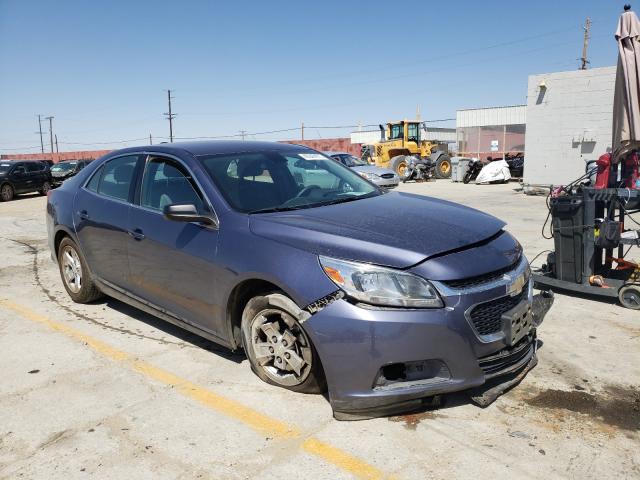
280 347
6 193
71 269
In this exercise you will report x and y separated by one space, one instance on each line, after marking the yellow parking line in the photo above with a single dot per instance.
251 418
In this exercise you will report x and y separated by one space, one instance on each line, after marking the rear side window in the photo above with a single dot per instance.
116 178
95 181
33 167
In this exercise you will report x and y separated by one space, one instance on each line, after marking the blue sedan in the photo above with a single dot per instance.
321 277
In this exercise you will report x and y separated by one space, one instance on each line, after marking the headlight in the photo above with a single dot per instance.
368 176
381 286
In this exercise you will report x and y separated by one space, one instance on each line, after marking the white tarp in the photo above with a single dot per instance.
495 171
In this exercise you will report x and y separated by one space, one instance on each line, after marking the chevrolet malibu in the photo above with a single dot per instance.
325 281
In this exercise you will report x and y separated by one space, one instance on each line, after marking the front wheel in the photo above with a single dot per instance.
467 177
6 192
278 348
443 167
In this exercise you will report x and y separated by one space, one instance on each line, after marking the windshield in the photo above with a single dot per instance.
258 182
5 167
64 167
351 161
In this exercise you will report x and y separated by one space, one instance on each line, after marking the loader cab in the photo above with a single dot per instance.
404 131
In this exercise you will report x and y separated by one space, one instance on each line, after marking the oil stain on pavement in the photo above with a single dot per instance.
617 406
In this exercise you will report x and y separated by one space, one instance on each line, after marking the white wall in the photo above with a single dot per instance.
484 117
568 123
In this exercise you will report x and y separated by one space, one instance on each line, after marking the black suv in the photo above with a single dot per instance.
23 177
63 170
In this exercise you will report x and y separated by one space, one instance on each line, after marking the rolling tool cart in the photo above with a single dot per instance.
587 225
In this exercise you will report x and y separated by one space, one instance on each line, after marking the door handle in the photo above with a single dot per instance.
83 214
136 234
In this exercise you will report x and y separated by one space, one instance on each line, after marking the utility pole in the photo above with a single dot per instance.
56 135
50 130
302 130
40 131
170 116
243 133
150 140
585 45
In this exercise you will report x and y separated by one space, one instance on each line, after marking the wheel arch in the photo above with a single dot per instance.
241 293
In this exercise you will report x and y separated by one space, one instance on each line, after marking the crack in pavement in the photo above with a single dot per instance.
34 251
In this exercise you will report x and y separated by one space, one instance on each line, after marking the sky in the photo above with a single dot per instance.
102 68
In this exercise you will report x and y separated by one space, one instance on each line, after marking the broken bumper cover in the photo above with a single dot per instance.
381 362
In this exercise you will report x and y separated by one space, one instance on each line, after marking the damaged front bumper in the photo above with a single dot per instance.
386 361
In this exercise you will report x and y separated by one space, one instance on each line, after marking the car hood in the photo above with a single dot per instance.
395 229
371 169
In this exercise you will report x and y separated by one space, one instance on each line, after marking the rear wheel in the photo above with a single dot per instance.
443 167
399 165
629 296
278 348
75 274
46 186
6 192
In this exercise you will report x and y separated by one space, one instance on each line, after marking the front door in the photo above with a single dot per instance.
20 178
173 263
101 213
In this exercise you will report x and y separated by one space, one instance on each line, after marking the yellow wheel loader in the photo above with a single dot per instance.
400 140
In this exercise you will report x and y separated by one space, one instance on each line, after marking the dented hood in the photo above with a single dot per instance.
395 229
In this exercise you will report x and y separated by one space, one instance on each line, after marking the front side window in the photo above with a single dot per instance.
397 131
165 182
117 176
255 182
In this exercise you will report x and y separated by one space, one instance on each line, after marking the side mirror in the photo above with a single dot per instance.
187 213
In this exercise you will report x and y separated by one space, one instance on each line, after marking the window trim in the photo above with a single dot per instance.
138 191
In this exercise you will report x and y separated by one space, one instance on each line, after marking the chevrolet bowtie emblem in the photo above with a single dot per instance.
515 286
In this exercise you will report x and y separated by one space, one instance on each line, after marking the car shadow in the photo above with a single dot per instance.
170 329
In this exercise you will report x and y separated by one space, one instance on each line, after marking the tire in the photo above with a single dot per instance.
46 186
443 167
6 193
466 178
272 338
399 164
629 296
71 263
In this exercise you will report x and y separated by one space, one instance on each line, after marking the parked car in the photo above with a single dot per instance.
383 177
23 177
386 298
66 169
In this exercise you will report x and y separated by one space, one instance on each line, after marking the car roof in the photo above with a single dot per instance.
214 147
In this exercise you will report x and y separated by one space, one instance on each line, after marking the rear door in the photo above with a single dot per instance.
173 264
34 176
101 215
